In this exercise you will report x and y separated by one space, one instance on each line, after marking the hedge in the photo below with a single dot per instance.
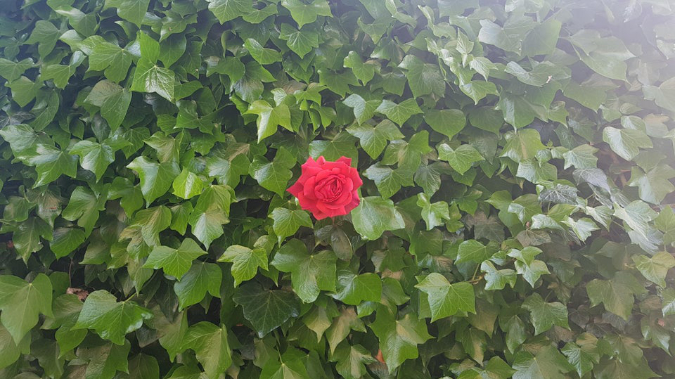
509 165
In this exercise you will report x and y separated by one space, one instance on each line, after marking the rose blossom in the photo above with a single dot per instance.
327 189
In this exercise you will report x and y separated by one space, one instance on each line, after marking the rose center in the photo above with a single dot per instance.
330 188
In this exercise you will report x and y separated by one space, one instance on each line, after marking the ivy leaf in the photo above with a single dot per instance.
287 222
27 235
130 10
156 178
423 78
581 157
388 180
152 221
110 319
187 185
460 159
45 34
363 109
626 143
446 299
50 163
153 79
174 262
226 10
304 13
105 360
310 273
655 268
433 213
245 261
497 279
113 60
544 315
261 54
374 139
300 42
653 185
478 90
112 99
583 354
351 360
448 122
84 206
474 251
266 309
10 350
273 176
65 241
13 70
616 294
398 338
342 325
547 364
201 278
21 303
522 145
353 289
363 71
531 269
399 113
374 216
270 117
209 343
94 157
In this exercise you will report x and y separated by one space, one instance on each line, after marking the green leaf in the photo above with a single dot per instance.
448 122
374 216
543 38
655 268
65 241
45 35
151 78
187 185
111 319
342 326
9 350
209 343
497 279
582 156
522 145
50 163
226 10
261 54
21 303
94 157
24 90
84 206
156 178
310 273
363 110
304 13
531 269
130 10
300 42
626 142
266 309
13 70
26 237
583 354
663 95
423 78
105 360
353 289
398 338
433 214
399 113
274 176
287 222
460 159
174 262
245 262
446 299
616 294
201 278
152 221
653 185
352 360
547 364
112 99
544 315
363 71
207 225
270 117
113 60
477 90
143 366
474 251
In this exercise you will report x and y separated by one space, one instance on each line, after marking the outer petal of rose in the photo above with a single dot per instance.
331 211
308 189
295 189
321 160
355 202
345 160
307 204
356 179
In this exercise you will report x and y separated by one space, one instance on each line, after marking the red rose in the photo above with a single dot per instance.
327 189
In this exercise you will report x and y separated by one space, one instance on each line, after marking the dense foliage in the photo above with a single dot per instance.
516 213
